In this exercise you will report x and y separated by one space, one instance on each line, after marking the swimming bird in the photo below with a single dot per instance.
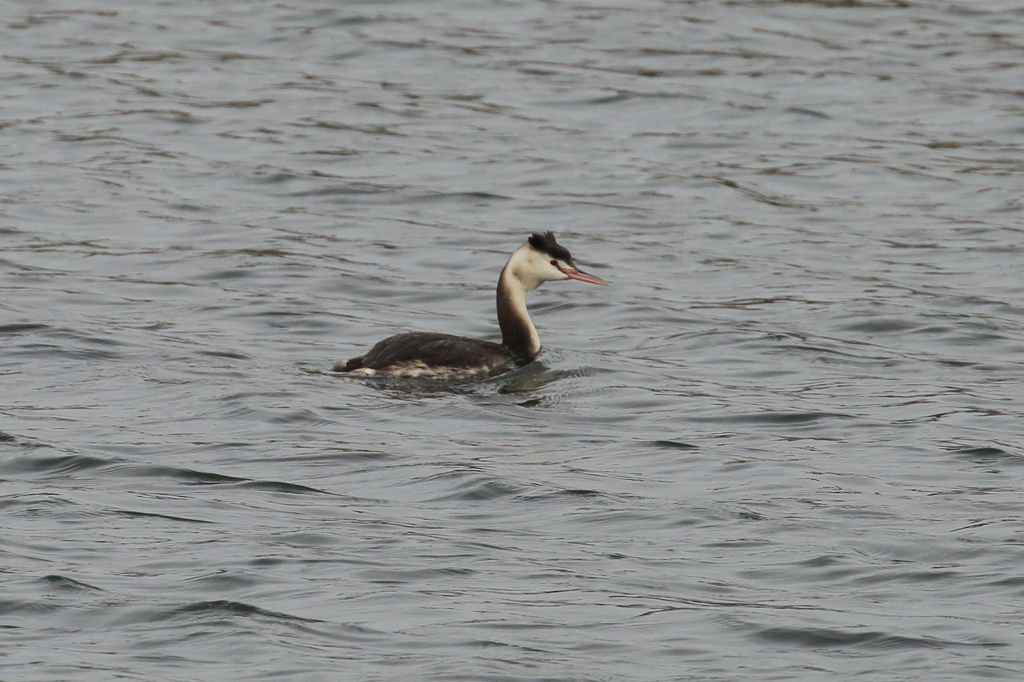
444 356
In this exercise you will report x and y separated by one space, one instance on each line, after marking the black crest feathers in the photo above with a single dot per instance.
545 243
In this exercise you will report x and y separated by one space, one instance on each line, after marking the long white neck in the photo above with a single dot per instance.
517 331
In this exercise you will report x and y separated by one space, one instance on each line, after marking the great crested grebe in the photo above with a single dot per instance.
443 356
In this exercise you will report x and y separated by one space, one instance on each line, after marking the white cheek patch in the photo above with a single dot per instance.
532 268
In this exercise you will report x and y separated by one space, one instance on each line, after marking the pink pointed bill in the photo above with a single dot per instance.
584 277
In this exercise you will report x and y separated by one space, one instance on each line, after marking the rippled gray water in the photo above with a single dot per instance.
785 444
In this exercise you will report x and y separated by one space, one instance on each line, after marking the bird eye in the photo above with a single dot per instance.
555 263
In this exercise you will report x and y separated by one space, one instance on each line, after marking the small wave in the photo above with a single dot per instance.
670 444
776 418
481 489
234 608
400 576
568 494
52 465
988 454
21 328
151 515
871 639
63 465
282 487
881 326
66 584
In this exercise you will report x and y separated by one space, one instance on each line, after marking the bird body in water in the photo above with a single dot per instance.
444 356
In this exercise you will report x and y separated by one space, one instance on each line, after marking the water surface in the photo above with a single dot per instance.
785 444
